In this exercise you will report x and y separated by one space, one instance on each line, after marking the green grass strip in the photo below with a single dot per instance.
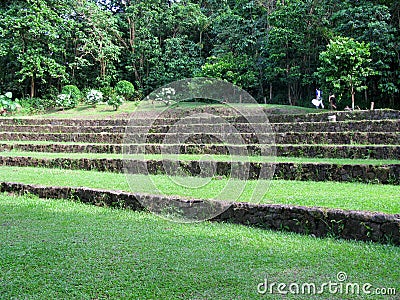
348 196
188 157
58 249
105 111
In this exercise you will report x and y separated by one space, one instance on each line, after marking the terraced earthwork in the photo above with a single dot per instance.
366 150
357 147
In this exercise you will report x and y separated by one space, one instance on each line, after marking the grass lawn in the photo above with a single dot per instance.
187 157
106 111
349 196
56 249
85 111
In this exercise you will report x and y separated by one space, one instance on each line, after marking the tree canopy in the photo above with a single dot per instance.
280 51
345 64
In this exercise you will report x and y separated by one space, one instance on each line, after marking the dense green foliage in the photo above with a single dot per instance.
115 101
6 103
346 64
125 89
93 97
69 97
270 48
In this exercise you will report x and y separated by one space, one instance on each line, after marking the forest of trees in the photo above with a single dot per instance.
280 51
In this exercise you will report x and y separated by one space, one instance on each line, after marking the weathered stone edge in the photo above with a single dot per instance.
172 116
387 125
321 151
319 222
367 138
383 174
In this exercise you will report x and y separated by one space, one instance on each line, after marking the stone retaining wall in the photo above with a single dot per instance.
63 148
172 117
320 222
63 122
62 129
379 114
339 138
342 151
356 126
317 151
107 138
386 174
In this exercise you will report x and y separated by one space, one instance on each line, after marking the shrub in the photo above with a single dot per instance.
108 92
125 89
30 105
115 101
66 101
69 97
5 99
49 92
93 97
138 95
7 104
73 91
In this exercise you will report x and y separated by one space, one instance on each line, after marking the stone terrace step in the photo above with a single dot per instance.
53 147
63 122
380 114
386 174
173 117
315 221
341 138
62 129
347 126
278 115
318 151
366 138
108 138
340 151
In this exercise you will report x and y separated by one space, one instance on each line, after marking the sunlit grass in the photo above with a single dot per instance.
57 249
351 196
103 110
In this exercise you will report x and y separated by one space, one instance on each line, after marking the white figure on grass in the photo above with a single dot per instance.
318 101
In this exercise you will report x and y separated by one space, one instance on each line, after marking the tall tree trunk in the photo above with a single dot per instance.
132 38
103 67
270 92
352 97
33 86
